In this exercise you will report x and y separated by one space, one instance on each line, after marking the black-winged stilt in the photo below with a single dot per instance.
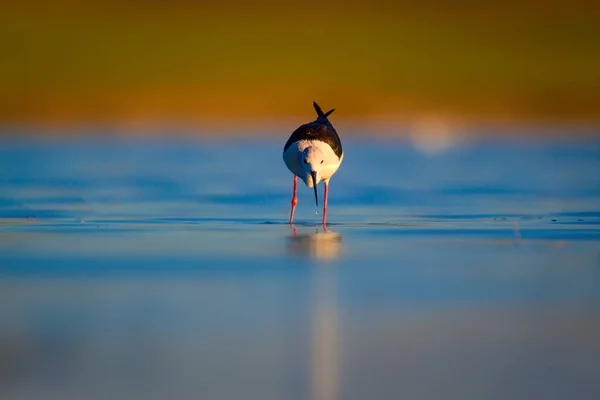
313 153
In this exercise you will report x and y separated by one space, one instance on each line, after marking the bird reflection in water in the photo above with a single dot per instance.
325 346
324 338
325 245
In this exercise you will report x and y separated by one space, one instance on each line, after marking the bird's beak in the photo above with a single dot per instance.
314 177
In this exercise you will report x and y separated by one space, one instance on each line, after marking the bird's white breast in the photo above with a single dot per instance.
293 160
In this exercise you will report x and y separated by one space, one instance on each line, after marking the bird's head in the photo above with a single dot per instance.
312 162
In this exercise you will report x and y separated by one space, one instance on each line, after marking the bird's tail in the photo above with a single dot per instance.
322 117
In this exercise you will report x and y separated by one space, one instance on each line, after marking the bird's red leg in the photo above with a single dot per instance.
294 200
325 204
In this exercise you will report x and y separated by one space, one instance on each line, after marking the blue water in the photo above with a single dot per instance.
166 269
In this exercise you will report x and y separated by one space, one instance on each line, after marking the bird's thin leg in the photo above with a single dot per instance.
326 184
294 200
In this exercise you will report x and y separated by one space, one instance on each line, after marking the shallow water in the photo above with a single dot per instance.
156 269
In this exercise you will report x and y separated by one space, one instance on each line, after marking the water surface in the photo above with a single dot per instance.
166 268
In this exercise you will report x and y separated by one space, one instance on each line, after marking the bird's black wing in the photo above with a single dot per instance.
317 131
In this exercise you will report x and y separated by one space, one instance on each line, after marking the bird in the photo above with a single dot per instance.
313 153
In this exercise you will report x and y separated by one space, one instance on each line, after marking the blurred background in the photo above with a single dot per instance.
186 65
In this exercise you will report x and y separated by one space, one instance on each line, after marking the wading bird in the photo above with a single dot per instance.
313 153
